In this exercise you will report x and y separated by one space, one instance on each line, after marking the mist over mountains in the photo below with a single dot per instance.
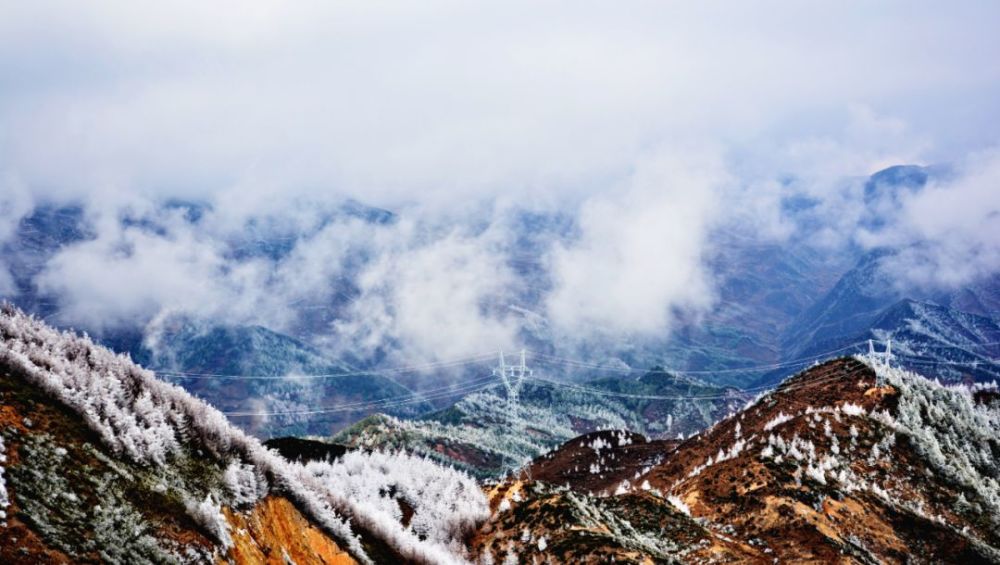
517 282
247 313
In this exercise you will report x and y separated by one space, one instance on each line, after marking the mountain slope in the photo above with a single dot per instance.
847 309
484 435
950 344
828 468
105 462
865 292
250 369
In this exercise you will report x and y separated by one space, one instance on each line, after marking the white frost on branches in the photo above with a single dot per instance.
446 504
245 483
852 409
679 504
958 437
150 422
4 501
208 513
781 418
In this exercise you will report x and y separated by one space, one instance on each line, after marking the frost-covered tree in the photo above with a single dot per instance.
151 422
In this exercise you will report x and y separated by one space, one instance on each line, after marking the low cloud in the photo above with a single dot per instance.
429 285
947 234
128 274
431 297
639 257
462 119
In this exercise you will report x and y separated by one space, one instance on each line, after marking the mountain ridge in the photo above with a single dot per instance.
829 467
150 440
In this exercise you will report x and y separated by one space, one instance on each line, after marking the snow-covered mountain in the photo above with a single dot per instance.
954 330
953 345
104 462
487 436
830 467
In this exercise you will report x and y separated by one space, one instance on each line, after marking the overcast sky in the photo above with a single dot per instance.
400 101
650 122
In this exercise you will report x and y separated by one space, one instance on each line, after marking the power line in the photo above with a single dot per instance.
957 346
753 368
520 372
292 376
484 383
717 396
481 383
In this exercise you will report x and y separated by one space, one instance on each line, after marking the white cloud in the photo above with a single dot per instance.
128 275
640 254
394 104
431 296
949 233
455 113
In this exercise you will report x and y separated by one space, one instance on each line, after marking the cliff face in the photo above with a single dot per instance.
828 468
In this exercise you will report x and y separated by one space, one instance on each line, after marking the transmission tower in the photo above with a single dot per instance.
512 377
883 358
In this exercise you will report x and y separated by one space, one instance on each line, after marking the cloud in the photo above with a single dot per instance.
811 186
460 117
947 234
128 274
391 105
431 297
421 286
639 257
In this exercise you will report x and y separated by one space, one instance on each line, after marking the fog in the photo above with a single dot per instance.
651 126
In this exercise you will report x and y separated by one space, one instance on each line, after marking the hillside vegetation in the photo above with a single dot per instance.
105 462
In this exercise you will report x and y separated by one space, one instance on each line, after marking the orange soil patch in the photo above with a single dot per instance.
275 532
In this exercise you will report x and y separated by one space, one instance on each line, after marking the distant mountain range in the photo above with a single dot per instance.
250 370
780 307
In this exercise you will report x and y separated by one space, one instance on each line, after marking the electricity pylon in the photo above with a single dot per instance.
884 358
512 377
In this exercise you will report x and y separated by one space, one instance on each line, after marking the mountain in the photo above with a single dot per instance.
486 435
250 370
830 467
883 190
36 239
866 291
103 462
847 309
948 343
865 303
762 288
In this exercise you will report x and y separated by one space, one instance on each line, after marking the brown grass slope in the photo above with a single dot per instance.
817 471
